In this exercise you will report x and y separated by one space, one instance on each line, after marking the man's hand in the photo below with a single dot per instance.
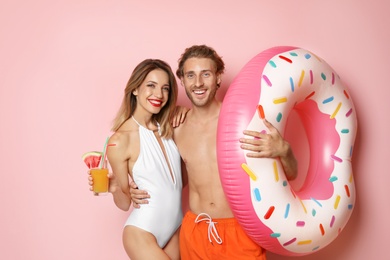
264 145
270 146
179 115
138 197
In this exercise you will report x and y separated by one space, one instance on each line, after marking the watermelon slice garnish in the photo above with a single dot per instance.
92 159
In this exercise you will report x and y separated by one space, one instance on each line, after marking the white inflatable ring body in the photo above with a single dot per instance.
276 217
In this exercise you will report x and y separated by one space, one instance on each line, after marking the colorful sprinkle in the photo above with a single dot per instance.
275 234
307 56
333 79
336 111
293 192
337 201
323 76
332 221
304 208
348 113
276 173
292 84
269 212
293 54
285 183
311 77
344 131
290 242
318 58
285 58
316 201
347 190
272 63
287 211
310 95
280 100
256 192
300 223
346 94
313 212
322 230
329 99
260 110
279 117
301 78
266 79
337 159
304 242
249 171
350 206
333 178
315 248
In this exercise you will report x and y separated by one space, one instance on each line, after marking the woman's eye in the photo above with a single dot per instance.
150 85
166 89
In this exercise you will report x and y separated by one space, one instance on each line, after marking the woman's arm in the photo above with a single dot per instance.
119 178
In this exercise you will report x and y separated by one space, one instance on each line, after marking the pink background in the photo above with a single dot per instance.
63 67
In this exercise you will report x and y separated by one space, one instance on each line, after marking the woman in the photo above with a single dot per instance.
144 151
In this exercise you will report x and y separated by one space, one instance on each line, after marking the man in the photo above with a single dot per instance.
209 229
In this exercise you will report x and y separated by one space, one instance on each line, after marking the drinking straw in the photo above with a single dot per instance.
103 155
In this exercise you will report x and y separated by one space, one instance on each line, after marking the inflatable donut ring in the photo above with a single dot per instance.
272 213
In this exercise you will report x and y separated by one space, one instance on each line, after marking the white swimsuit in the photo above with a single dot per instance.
163 214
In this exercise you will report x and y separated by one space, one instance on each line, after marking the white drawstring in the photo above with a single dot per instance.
211 229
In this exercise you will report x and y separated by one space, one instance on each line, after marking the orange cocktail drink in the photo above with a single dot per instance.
100 180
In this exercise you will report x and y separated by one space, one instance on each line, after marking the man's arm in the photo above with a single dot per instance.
290 164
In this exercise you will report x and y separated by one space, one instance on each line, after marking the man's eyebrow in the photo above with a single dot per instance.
202 71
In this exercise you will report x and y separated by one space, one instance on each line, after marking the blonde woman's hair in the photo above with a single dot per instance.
129 102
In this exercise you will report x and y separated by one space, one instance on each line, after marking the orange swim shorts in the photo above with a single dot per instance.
204 238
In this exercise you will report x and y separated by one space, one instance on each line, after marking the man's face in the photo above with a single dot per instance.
200 80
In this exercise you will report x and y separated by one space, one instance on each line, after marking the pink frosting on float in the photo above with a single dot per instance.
323 139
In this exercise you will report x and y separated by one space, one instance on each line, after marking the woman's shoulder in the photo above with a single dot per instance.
119 144
123 136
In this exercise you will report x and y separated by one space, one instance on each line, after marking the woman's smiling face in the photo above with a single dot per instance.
153 93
